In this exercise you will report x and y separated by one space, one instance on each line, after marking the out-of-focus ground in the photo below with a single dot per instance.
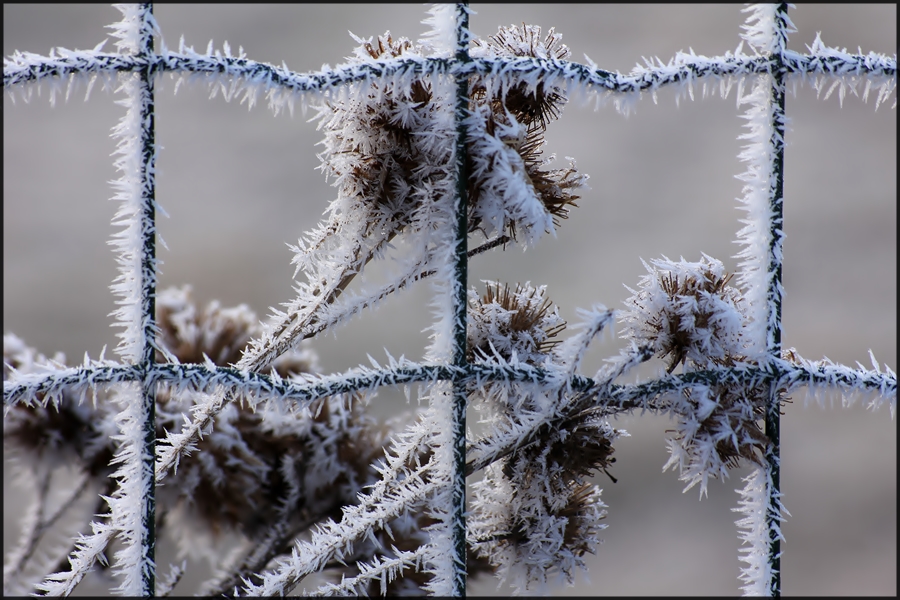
238 185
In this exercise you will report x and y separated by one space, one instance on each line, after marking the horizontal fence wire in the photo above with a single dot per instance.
270 76
207 378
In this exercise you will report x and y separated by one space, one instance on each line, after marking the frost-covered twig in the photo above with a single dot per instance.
334 540
165 586
384 571
34 525
88 550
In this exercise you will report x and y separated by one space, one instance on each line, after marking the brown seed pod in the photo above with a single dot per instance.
688 313
522 321
532 107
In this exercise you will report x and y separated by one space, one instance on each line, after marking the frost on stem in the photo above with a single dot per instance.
534 515
257 473
689 314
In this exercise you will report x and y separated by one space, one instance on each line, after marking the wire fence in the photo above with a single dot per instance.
772 64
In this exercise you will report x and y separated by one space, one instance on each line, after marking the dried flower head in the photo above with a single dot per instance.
573 450
505 322
533 106
717 427
530 535
253 470
518 115
535 513
583 514
254 461
687 312
381 145
374 147
188 332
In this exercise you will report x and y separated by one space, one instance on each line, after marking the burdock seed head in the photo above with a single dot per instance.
505 322
688 313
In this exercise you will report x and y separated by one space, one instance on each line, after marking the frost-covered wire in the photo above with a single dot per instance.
132 507
238 76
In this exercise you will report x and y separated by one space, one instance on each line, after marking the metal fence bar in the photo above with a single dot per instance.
313 81
460 304
775 293
148 298
204 378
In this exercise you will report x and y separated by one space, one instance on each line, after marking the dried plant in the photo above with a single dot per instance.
518 116
221 432
688 312
524 320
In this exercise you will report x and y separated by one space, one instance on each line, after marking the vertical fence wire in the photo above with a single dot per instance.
460 304
775 292
148 297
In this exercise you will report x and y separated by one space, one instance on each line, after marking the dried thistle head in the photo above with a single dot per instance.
583 514
688 313
572 451
189 332
520 322
535 107
530 532
253 469
526 41
387 47
252 460
534 513
518 116
420 90
579 516
374 148
555 187
386 147
717 427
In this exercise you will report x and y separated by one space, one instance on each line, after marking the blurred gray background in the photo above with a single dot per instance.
238 185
